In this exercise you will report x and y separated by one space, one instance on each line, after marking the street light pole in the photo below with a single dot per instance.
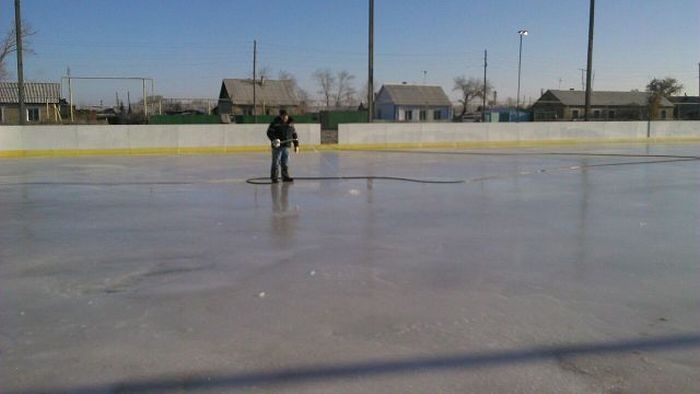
483 102
370 64
520 62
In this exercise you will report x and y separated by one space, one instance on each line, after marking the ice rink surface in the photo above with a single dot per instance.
553 269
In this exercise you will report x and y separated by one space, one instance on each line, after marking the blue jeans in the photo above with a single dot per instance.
280 158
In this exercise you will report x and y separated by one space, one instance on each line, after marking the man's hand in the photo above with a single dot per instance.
276 143
296 149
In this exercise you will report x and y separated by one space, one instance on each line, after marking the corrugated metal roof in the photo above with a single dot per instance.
416 95
685 99
269 92
578 98
34 92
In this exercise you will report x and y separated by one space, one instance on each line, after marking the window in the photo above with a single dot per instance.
33 114
409 115
437 115
379 113
611 114
596 114
2 114
423 114
663 114
574 114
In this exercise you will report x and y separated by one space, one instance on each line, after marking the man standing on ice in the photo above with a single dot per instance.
282 135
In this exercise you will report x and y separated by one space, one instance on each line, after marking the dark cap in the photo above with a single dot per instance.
283 112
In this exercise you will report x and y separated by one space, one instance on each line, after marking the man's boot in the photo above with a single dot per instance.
273 177
285 175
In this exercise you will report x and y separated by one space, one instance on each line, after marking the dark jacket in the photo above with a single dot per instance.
282 131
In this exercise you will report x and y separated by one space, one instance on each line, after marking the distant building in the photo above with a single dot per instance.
41 100
507 114
412 103
686 107
608 106
236 97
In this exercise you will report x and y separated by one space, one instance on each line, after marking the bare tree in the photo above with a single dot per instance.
326 82
470 89
264 73
8 46
287 76
301 94
363 95
661 88
346 92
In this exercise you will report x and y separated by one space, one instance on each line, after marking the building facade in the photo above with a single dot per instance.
569 105
412 103
41 101
686 107
267 97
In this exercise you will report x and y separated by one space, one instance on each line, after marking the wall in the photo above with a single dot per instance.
419 134
384 111
429 112
10 113
136 139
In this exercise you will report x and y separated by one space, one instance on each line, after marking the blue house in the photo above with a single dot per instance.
412 103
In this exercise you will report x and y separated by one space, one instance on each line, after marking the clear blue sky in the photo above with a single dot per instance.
189 46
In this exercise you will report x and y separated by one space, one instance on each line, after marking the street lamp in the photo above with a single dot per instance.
520 61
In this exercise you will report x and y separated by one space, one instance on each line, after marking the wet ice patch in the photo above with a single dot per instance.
354 192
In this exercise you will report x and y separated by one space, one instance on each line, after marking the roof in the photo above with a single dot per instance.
415 95
573 98
685 99
269 92
34 92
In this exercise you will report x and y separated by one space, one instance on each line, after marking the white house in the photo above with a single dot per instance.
412 103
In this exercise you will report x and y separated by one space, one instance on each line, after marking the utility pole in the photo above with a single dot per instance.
20 65
255 82
589 67
145 105
70 98
483 105
370 65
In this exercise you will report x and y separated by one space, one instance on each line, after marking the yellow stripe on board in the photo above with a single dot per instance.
331 147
